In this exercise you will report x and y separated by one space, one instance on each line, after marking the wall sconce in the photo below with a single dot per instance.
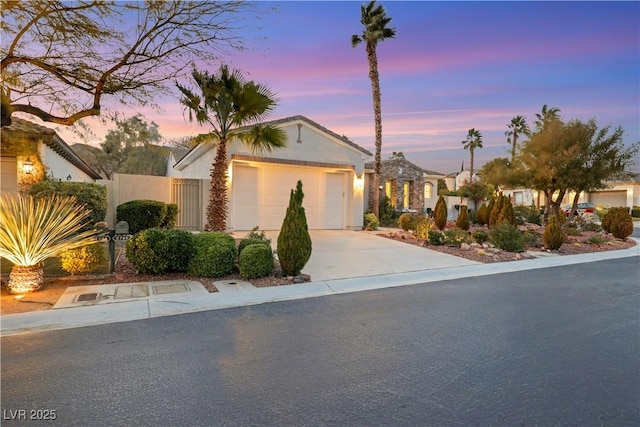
68 177
27 166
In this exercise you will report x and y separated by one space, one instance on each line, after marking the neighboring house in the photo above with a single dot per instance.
330 166
29 151
455 180
408 186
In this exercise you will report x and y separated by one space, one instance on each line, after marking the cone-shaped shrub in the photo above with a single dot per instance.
294 241
482 215
620 222
463 219
490 207
495 211
506 213
440 213
553 234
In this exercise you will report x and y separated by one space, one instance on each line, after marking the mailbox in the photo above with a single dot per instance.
122 227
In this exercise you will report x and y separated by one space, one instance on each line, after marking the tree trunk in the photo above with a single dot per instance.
574 208
23 279
217 207
377 114
471 168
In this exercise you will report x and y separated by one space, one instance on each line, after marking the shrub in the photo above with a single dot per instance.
529 238
142 214
255 233
86 259
93 197
473 216
620 222
171 218
507 237
256 260
294 241
424 225
635 212
407 221
483 213
387 212
436 238
440 213
480 236
572 230
210 238
180 249
247 241
463 219
156 250
506 213
212 259
495 210
529 214
456 236
553 235
597 239
371 221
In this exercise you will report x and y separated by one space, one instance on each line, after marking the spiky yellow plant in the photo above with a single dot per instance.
34 230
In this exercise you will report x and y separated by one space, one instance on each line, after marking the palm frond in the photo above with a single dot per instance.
264 138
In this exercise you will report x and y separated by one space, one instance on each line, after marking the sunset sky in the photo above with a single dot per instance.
453 66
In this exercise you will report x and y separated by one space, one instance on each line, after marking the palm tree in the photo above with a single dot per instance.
473 141
375 20
546 116
518 126
233 107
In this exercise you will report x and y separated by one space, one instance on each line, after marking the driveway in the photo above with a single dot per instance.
341 254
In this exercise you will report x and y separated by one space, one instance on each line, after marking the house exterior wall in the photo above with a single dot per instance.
59 168
9 175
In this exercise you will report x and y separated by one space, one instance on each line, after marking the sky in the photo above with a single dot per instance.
452 66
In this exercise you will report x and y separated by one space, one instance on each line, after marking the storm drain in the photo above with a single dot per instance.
172 288
92 297
131 291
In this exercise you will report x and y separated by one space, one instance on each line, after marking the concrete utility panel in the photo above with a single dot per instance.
131 291
170 289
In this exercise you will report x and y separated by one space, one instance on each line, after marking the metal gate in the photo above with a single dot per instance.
186 194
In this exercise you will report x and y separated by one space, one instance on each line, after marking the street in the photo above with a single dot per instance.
556 346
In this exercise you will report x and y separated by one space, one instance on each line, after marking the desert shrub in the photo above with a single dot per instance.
92 196
371 221
440 213
256 233
247 241
480 236
256 260
463 219
435 237
507 237
635 212
388 214
572 230
87 259
597 239
553 235
483 215
294 241
171 218
527 214
407 221
506 213
586 225
142 214
212 259
495 211
473 216
156 251
619 222
529 238
456 236
424 225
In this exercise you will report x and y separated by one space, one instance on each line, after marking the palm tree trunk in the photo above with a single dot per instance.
471 166
513 149
377 114
217 208
23 279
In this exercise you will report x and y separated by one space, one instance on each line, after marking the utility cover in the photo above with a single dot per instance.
131 291
170 289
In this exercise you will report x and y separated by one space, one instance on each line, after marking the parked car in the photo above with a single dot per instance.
583 208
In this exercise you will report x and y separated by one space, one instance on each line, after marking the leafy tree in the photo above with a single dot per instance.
61 60
232 107
294 241
473 141
518 126
375 21
475 190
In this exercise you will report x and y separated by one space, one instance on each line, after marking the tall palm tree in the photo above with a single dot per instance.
473 141
233 107
546 116
375 21
517 127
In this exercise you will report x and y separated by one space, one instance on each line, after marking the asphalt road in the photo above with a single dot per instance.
557 346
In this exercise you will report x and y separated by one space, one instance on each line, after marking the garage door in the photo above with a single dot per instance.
260 196
608 198
9 174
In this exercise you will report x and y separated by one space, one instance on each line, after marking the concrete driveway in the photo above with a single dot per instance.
341 254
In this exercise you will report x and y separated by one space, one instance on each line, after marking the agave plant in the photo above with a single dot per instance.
34 230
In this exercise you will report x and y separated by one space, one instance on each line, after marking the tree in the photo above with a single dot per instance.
546 116
518 126
375 21
232 106
397 155
61 60
473 141
294 241
476 191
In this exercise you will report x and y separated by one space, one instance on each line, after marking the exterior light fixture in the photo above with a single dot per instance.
68 177
27 166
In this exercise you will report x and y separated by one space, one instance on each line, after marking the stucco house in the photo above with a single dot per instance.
28 151
330 166
408 186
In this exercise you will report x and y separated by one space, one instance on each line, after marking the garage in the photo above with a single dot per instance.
260 195
608 198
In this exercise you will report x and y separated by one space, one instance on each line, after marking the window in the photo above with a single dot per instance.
387 189
428 190
405 195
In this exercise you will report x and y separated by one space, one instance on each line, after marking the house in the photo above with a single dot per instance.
330 166
408 186
29 151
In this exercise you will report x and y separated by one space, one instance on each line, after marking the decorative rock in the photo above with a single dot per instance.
517 257
464 246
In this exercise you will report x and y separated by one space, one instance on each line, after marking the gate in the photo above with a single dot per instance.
186 194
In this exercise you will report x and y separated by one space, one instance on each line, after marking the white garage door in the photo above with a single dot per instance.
260 196
9 174
609 198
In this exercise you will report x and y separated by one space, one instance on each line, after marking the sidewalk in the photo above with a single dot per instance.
228 297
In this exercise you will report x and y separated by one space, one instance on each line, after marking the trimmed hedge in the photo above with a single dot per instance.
156 250
142 214
256 260
215 255
251 241
507 237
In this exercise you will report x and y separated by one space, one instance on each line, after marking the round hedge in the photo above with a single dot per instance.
156 251
251 241
214 260
255 261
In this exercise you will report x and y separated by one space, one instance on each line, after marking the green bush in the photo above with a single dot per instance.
87 259
473 216
635 212
180 249
247 241
92 196
212 259
294 241
529 238
553 234
527 214
597 239
407 221
210 238
142 214
171 218
436 238
370 221
456 236
440 213
463 219
506 213
424 225
256 260
480 236
156 250
482 217
507 237
256 233
494 215
619 222
388 214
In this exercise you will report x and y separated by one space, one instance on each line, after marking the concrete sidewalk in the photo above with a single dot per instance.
334 277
